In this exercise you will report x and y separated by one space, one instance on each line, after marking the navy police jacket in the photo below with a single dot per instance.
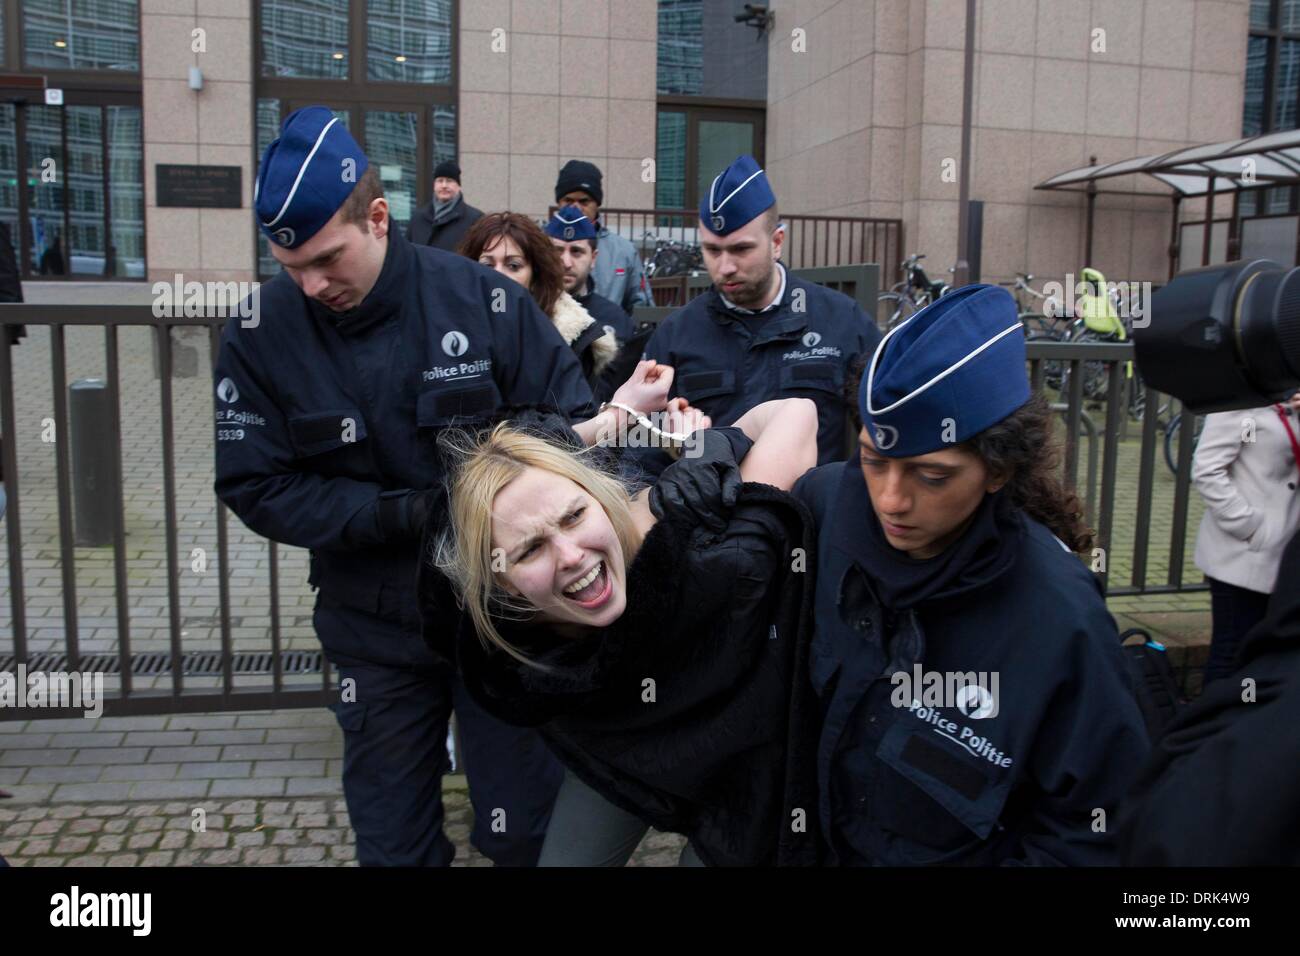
727 362
607 314
326 421
1026 768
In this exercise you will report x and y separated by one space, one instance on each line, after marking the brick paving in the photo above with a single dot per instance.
239 832
123 791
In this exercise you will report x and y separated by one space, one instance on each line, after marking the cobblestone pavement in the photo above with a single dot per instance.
245 832
122 791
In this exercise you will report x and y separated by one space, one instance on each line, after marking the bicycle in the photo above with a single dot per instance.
672 257
1171 439
915 292
1102 319
1044 326
1046 321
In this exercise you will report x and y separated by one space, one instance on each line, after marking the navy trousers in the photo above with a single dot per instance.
396 703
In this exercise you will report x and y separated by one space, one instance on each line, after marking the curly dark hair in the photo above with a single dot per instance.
1022 447
548 270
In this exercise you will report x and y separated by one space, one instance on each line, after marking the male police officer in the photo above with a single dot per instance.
328 402
760 333
618 273
575 239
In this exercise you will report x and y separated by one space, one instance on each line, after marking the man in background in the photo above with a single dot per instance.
443 222
617 272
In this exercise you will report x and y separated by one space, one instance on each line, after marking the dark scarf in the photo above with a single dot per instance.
442 211
985 551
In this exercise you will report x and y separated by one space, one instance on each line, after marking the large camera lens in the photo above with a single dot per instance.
1224 336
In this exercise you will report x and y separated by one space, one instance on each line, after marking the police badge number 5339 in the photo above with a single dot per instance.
231 422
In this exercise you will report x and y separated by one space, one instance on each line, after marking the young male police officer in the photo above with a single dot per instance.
618 273
574 237
328 403
760 333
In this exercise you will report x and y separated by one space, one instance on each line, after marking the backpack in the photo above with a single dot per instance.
1153 680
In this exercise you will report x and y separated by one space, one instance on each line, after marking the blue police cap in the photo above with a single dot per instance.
946 374
738 194
569 224
305 176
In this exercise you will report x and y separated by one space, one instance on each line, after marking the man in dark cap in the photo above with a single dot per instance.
618 274
329 400
760 333
574 237
443 222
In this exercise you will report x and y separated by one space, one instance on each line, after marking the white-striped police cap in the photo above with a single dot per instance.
569 224
738 194
946 374
305 176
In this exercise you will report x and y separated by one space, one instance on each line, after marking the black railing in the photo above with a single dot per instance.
130 699
193 679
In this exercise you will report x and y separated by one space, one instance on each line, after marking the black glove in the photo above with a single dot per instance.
705 482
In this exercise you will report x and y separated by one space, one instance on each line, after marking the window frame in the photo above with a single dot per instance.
699 108
358 95
69 79
1275 36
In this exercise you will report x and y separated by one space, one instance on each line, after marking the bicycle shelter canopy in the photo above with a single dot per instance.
1271 159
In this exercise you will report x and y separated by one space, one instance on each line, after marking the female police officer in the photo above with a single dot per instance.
976 706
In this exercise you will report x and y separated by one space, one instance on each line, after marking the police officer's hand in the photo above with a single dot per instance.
647 388
705 482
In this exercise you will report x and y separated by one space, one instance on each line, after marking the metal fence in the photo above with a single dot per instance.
262 670
216 689
810 241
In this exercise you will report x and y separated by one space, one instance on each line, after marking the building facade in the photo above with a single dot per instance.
854 106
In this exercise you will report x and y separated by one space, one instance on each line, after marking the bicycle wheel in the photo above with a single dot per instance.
1096 377
1171 439
899 308
1053 369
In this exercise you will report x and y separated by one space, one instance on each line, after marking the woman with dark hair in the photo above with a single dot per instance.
977 707
516 247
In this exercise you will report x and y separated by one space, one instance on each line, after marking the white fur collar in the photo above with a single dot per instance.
571 320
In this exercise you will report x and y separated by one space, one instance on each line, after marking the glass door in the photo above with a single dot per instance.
71 189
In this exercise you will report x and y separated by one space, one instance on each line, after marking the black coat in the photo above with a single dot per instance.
11 286
1222 786
448 232
721 625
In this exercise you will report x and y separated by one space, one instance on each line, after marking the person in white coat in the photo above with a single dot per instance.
1247 468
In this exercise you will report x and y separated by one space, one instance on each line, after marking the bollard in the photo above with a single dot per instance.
94 489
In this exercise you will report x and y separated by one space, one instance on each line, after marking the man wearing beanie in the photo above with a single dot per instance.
328 406
617 272
443 222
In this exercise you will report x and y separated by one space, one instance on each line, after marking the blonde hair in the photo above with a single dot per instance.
487 463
